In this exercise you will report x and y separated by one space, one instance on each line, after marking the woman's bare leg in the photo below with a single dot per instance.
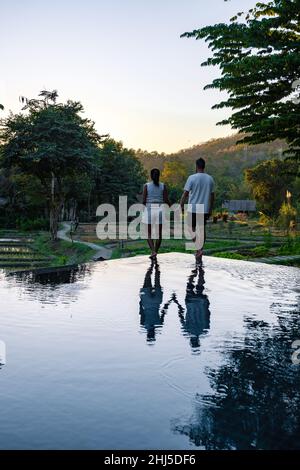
158 241
150 241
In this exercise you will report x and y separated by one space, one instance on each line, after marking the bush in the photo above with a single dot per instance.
260 251
225 218
268 239
265 220
290 247
287 215
27 225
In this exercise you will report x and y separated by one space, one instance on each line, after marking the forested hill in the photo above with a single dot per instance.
226 162
222 154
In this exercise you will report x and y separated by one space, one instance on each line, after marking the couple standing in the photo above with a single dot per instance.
199 189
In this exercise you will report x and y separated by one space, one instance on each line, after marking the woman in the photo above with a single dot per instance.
154 196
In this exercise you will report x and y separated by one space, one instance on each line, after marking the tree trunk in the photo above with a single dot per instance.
55 210
56 205
89 206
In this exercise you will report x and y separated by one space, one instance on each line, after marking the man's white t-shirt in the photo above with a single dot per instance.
200 187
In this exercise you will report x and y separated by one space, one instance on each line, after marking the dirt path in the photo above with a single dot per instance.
101 252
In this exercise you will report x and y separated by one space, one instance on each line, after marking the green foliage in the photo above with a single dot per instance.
258 54
290 247
260 251
287 214
268 239
230 227
50 142
269 182
174 174
50 139
61 252
120 173
28 225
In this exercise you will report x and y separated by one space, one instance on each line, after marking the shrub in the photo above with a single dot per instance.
260 251
26 225
287 215
268 239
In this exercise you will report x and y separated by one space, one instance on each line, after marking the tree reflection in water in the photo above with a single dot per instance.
255 400
51 285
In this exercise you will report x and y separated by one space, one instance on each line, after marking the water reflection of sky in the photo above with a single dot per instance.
218 374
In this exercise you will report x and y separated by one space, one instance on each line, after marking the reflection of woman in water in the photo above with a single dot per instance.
151 297
196 321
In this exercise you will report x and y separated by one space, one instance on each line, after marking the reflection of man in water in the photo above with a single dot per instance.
151 296
197 317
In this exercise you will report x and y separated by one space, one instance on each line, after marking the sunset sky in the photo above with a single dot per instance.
123 59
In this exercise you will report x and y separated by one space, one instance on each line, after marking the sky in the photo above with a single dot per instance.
123 59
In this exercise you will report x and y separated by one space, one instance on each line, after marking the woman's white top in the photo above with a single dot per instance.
154 213
155 194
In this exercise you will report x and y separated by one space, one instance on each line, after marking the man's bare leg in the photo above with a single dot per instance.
199 252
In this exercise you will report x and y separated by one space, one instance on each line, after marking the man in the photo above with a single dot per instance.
199 188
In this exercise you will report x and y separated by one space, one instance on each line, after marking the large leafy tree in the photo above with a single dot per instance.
50 141
269 181
258 54
120 173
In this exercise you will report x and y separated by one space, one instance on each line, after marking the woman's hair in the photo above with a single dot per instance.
155 174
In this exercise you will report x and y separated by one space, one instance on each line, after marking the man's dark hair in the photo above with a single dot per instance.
200 163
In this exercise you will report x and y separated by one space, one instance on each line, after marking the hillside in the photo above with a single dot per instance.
226 161
219 153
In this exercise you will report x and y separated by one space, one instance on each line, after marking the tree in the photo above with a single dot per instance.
51 142
259 58
287 216
174 174
269 182
120 173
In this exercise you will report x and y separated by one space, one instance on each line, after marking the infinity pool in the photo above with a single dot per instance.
128 355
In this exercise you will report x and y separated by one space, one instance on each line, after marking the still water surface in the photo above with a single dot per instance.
125 355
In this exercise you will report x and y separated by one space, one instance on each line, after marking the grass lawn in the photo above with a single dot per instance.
61 252
37 250
289 247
